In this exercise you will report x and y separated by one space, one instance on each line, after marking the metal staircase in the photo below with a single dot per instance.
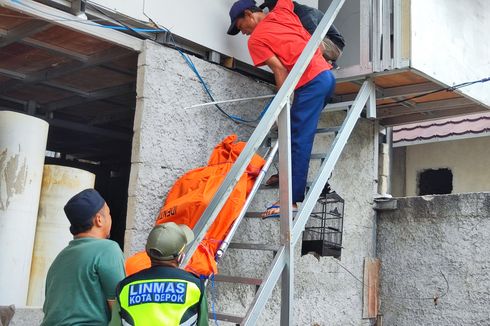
291 227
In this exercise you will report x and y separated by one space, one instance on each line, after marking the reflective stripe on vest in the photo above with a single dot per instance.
160 301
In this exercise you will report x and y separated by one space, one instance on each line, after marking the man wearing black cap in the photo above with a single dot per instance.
162 294
277 40
81 282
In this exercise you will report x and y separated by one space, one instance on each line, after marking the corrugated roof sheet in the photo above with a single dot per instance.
473 124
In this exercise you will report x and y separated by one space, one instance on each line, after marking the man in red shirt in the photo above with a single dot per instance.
277 39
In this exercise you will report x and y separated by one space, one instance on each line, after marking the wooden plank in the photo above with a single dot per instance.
399 79
371 298
346 88
11 19
26 59
72 41
444 95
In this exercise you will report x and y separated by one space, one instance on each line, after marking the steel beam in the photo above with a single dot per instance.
64 69
365 44
400 110
397 91
75 126
66 88
22 31
397 33
12 74
124 114
431 115
54 49
40 11
286 214
93 96
386 63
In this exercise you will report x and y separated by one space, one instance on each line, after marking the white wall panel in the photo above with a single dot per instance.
450 42
202 21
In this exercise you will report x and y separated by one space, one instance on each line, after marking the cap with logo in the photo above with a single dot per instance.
167 240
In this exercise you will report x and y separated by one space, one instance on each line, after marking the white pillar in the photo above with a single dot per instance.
59 184
22 150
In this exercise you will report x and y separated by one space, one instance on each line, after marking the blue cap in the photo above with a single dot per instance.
237 11
82 207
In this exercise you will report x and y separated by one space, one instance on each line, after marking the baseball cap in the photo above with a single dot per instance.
82 207
236 12
167 240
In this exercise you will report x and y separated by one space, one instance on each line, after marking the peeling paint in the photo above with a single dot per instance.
13 176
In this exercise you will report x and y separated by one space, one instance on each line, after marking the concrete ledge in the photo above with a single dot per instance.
27 316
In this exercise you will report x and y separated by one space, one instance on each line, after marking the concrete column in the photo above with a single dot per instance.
59 184
22 149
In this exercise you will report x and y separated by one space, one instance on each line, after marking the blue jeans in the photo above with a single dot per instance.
309 101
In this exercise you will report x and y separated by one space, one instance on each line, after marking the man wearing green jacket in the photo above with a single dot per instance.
162 294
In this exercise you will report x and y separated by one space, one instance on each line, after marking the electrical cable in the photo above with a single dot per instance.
448 89
192 66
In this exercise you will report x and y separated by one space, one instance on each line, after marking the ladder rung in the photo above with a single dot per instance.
226 317
263 186
237 279
317 156
327 130
318 131
341 106
255 214
253 246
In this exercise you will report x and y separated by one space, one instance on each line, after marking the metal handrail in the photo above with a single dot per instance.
226 242
259 134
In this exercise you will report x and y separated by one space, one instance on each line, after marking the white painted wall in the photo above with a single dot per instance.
204 22
450 42
468 160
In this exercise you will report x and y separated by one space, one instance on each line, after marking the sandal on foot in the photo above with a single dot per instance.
276 211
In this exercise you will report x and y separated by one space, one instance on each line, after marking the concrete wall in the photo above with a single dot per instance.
398 172
171 139
447 47
468 160
325 293
427 241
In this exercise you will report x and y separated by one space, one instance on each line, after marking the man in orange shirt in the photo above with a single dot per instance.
277 39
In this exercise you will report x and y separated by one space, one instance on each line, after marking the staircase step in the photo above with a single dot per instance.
227 318
340 106
237 279
263 186
326 130
254 214
253 246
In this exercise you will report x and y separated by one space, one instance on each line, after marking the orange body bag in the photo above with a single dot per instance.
190 196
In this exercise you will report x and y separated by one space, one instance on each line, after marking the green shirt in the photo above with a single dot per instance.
81 279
